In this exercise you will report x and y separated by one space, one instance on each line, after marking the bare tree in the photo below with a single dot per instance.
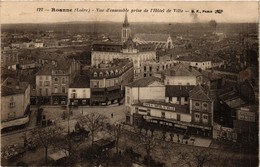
115 131
148 141
46 136
93 122
195 157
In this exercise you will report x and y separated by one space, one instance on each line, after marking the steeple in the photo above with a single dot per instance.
126 24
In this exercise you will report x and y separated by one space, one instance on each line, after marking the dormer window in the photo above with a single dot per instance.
107 73
111 72
101 74
95 74
116 72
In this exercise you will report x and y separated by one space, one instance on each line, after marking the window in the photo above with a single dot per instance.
163 114
47 77
47 92
128 100
84 102
205 106
55 90
73 90
63 80
148 112
63 89
47 83
95 74
40 77
101 74
158 68
40 91
136 109
84 94
40 83
186 98
56 79
12 103
144 75
116 81
95 84
188 83
178 117
197 104
197 117
205 118
74 95
151 68
170 99
144 68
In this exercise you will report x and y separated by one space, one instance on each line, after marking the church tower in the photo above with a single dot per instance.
125 30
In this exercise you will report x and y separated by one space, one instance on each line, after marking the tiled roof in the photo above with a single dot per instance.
177 91
46 70
152 37
11 86
81 81
199 93
143 82
181 70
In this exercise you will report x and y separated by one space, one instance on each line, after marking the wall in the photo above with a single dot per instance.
79 92
180 80
148 93
18 110
43 79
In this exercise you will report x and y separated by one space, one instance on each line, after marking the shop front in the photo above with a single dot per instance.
59 99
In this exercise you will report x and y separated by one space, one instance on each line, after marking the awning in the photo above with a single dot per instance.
59 155
15 122
97 89
113 88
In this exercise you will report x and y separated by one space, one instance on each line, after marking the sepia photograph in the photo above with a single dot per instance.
130 84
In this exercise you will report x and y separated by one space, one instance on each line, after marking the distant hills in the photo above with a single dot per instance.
114 28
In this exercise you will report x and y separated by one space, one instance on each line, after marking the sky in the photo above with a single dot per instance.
26 12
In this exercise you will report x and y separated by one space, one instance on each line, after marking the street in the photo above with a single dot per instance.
55 113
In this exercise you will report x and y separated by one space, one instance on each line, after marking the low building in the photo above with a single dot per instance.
108 82
79 91
144 89
53 80
15 102
176 94
151 68
182 74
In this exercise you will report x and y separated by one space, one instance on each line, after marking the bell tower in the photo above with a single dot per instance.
125 30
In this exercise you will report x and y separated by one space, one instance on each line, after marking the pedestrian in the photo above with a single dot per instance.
112 115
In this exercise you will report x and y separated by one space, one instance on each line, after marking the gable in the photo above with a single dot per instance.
155 83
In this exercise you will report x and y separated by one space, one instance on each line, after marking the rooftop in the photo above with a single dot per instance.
199 93
177 91
81 81
12 86
181 70
144 82
152 37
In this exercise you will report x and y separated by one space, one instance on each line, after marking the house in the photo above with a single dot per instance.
15 103
182 75
202 105
79 91
108 81
144 89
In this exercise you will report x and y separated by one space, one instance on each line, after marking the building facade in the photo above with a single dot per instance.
161 41
105 52
108 82
15 99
